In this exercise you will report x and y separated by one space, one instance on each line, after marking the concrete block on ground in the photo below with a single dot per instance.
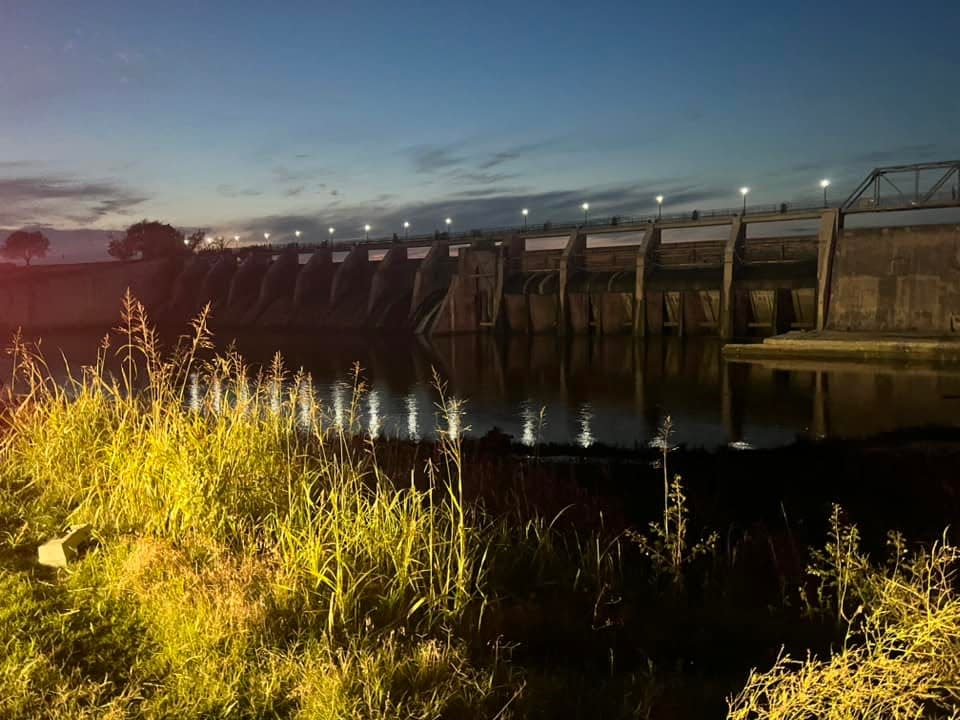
62 551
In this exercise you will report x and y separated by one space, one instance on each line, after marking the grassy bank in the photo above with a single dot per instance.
255 557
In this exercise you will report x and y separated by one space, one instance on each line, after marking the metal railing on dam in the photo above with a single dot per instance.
941 191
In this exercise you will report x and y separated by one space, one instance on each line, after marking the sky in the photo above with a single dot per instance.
245 117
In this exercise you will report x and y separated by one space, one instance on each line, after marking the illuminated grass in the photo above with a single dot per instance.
900 658
263 556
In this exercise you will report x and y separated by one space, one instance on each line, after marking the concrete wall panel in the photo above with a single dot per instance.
78 296
544 311
616 313
579 305
518 313
897 279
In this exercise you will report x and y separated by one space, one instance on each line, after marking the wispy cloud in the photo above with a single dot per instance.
53 198
510 154
482 178
232 191
904 153
283 174
431 158
460 157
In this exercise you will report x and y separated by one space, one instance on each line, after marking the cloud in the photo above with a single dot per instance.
803 167
498 159
436 158
432 158
231 191
283 174
489 192
52 198
295 182
510 154
482 178
904 153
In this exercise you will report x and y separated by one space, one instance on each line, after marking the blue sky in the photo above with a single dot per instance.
250 116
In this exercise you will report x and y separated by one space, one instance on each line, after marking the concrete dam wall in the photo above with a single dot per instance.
651 278
77 296
904 279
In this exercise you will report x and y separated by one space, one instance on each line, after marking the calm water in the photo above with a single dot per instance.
614 390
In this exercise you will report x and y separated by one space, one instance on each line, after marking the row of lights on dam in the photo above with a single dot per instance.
525 213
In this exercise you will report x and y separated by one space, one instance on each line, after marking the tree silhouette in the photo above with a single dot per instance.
120 248
26 245
195 238
150 239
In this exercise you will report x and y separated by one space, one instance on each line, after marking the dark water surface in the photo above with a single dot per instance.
614 390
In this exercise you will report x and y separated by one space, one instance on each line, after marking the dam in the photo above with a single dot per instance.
758 271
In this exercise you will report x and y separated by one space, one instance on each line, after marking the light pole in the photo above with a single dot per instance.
586 209
406 230
659 206
524 212
330 231
298 234
366 232
825 184
236 239
266 237
449 223
744 191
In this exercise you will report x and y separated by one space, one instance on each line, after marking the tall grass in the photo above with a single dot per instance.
250 468
245 531
899 658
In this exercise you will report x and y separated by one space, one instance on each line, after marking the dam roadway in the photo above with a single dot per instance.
640 276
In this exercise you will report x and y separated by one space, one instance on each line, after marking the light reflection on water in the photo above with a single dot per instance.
306 404
453 413
528 420
585 417
614 390
338 400
194 393
413 417
373 412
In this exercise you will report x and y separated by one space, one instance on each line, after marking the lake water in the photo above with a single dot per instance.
614 390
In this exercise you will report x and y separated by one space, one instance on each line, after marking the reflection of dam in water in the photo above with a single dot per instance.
625 388
595 389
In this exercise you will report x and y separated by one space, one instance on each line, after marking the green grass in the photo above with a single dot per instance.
251 559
